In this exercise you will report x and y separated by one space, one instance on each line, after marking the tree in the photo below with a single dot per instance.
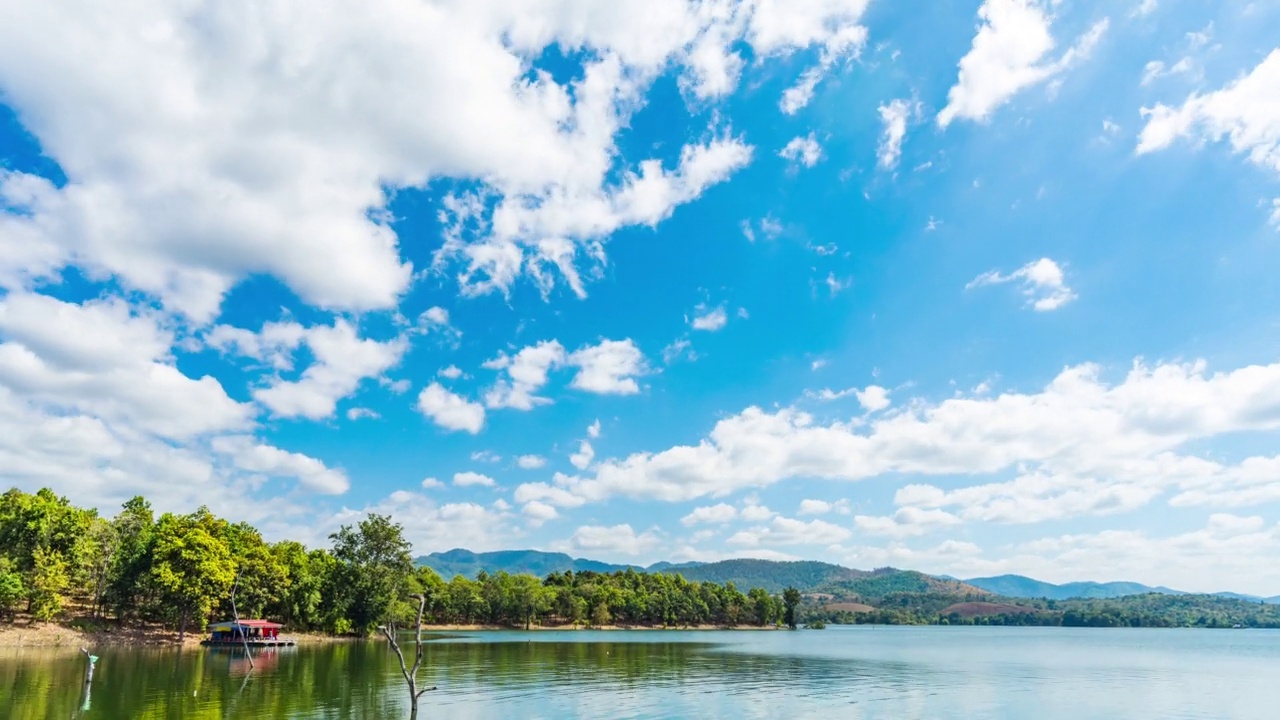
191 565
374 564
410 673
48 583
12 590
790 599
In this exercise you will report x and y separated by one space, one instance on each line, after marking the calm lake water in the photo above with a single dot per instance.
840 672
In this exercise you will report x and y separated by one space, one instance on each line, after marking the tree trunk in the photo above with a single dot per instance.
182 625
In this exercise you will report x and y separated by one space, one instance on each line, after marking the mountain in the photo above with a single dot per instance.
772 575
1025 587
534 562
806 575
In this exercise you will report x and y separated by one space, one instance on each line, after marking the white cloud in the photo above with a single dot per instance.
895 117
835 285
526 373
802 150
608 368
846 42
359 413
788 531
1156 69
342 361
1246 113
1146 7
431 527
252 456
1229 551
615 540
452 372
717 514
471 479
1008 56
1043 284
593 430
430 483
582 459
486 456
873 398
530 462
709 319
450 411
817 364
679 348
814 507
107 360
289 156
1080 446
906 522
538 513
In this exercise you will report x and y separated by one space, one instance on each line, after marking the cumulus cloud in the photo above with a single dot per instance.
872 398
530 462
287 155
789 531
609 368
716 514
802 151
1043 284
1080 446
538 513
450 411
431 526
252 456
1246 113
471 479
342 360
614 540
1008 56
526 373
583 457
593 430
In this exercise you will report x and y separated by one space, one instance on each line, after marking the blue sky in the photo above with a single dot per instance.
990 289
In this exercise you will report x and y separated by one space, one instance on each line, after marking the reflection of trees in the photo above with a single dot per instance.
359 680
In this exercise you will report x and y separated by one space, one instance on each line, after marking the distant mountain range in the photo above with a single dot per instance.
808 576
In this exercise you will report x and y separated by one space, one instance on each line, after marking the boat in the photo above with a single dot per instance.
254 633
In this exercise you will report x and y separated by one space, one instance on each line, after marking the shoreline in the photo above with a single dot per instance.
55 635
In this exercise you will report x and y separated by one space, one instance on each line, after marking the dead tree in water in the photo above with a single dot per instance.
410 673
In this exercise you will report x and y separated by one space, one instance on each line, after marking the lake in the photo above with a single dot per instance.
840 672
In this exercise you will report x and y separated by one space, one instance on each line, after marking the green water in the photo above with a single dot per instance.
864 672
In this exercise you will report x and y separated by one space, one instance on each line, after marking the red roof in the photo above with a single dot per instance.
260 624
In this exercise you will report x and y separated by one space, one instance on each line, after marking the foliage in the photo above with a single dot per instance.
1148 610
790 599
12 590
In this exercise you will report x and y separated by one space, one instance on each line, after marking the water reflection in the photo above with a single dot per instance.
888 673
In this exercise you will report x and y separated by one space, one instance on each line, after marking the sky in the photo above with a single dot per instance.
989 289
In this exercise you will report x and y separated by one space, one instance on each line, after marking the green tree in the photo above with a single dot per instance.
49 582
12 591
790 599
374 566
191 565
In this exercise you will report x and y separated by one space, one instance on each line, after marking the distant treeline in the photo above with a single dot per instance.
180 570
1148 610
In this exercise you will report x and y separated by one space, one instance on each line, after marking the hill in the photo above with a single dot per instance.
467 563
1025 587
772 575
1019 586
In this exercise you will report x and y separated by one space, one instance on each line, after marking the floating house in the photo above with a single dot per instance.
255 633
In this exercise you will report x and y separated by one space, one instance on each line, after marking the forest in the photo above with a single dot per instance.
59 562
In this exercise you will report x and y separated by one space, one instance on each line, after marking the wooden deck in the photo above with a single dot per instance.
251 642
